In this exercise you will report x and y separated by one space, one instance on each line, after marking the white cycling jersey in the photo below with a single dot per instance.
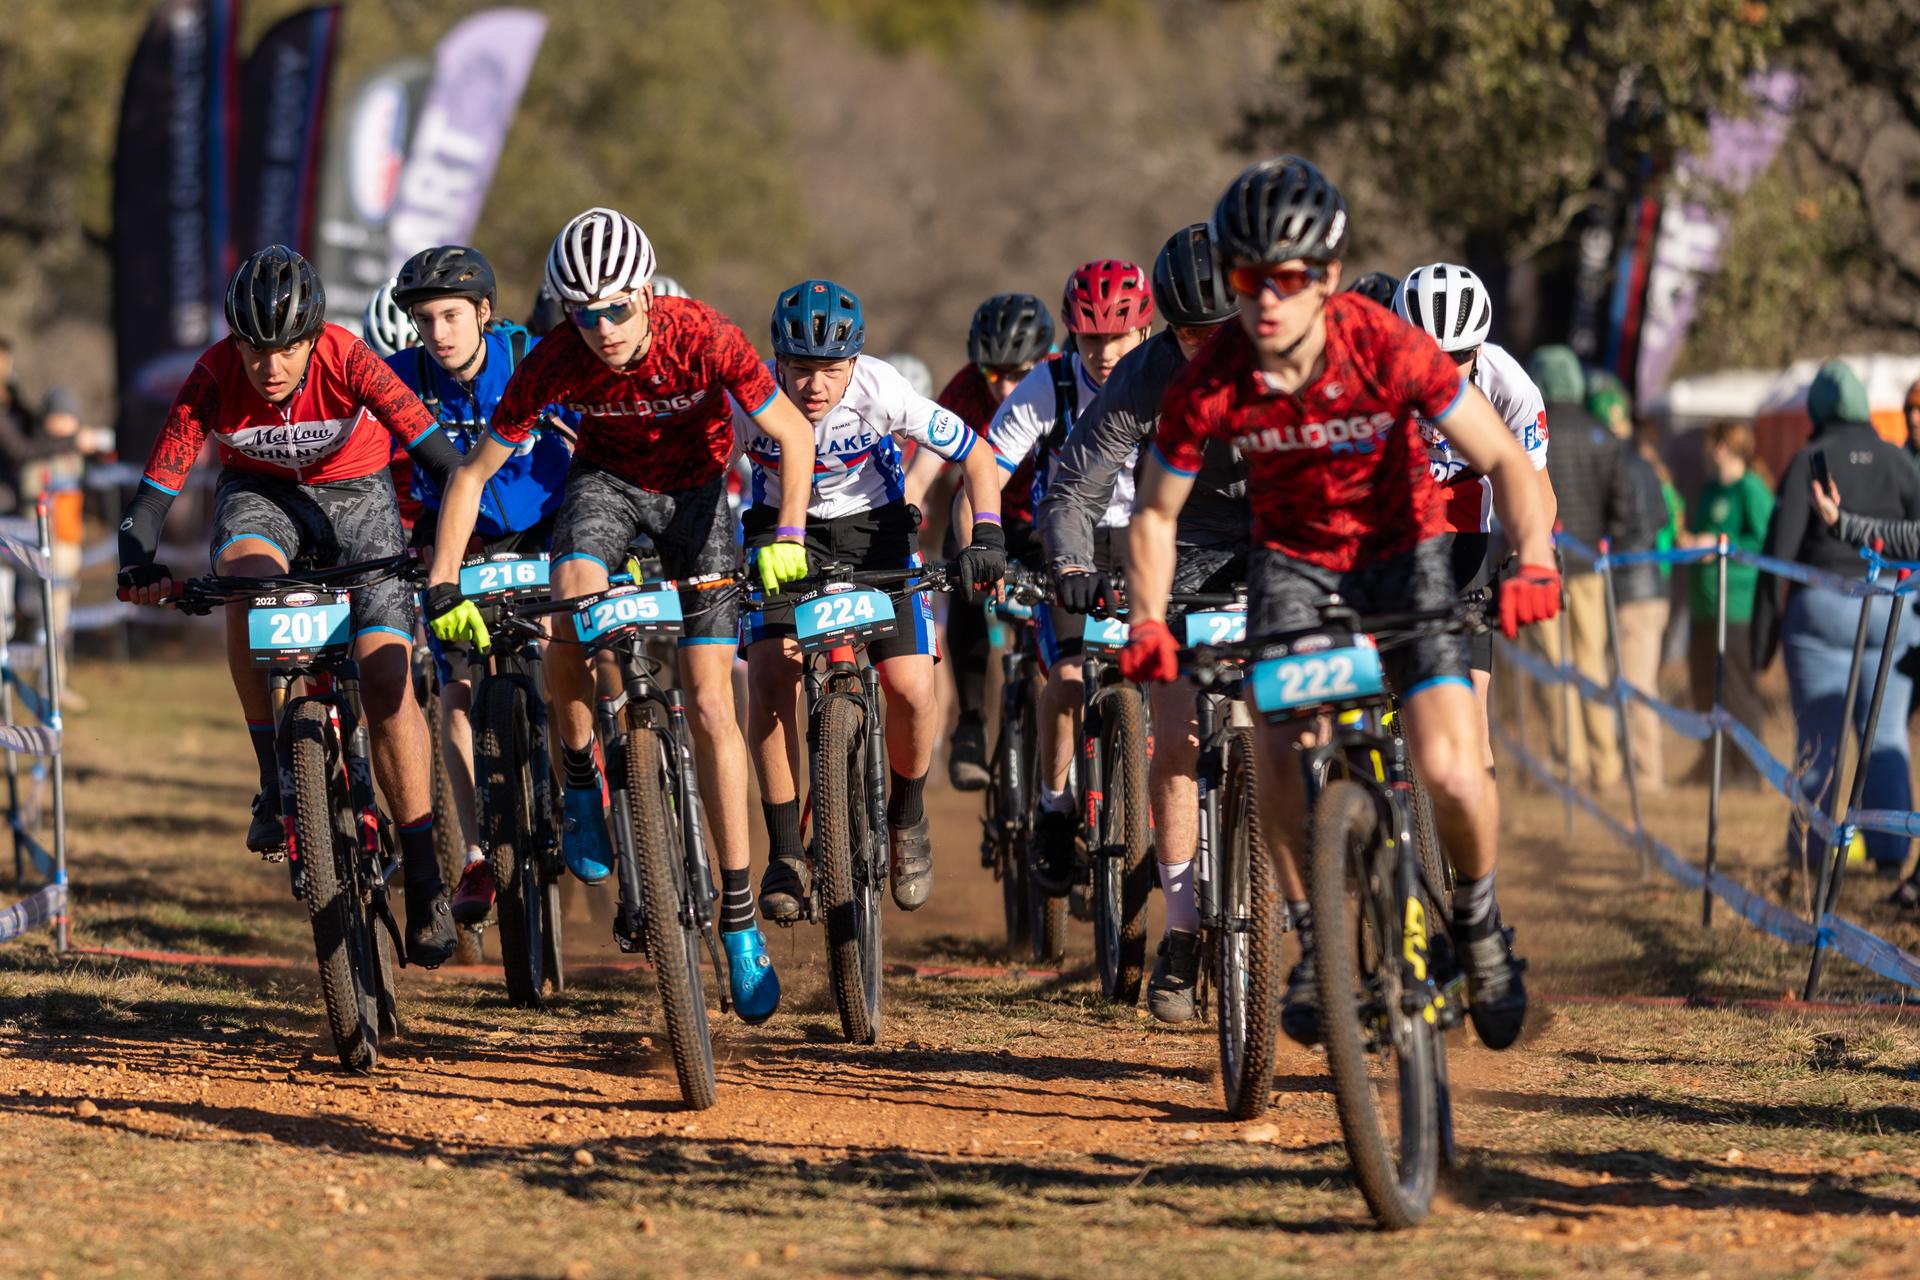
1026 418
856 462
1518 402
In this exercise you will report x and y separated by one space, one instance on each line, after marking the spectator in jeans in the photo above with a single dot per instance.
1641 604
1815 630
1590 470
1735 501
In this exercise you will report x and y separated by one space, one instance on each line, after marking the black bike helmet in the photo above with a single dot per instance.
1188 285
275 299
547 313
1010 329
1375 286
445 271
1278 210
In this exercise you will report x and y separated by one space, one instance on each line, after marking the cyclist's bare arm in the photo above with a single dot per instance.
981 471
925 469
1477 431
460 505
1150 554
789 428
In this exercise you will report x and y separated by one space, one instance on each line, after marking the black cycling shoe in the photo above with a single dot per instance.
1175 975
431 935
967 756
1050 855
1300 1007
1496 996
783 889
911 867
266 833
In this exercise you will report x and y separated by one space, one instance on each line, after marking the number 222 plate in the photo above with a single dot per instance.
1282 686
843 617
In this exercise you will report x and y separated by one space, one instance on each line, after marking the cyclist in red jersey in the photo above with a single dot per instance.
1010 334
650 377
305 417
1320 392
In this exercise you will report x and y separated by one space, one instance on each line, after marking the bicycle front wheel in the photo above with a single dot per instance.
1001 824
672 944
1246 953
325 835
1122 873
503 802
846 874
449 848
1381 1054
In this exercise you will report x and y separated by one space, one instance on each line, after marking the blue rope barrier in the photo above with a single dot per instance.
38 909
30 697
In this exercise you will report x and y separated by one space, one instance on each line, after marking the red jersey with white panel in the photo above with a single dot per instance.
1337 473
340 423
663 423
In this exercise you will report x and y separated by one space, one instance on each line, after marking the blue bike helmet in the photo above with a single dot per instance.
818 320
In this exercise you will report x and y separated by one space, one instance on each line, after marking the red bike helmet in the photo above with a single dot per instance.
1108 296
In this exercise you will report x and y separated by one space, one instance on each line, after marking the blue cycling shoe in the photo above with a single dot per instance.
585 846
750 976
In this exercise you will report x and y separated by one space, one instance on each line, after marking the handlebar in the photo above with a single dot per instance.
200 596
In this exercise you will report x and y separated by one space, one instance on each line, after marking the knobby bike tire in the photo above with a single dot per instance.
671 946
1002 826
1248 981
840 841
1046 914
333 902
503 803
1122 871
1349 861
449 845
1436 870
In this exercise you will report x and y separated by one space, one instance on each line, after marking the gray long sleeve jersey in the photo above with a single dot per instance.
1107 436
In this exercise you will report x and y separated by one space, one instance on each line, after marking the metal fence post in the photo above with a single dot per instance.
1719 734
1836 862
1605 566
54 722
1837 787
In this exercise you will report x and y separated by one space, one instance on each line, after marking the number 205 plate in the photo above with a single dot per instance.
1279 687
294 625
649 609
834 618
509 575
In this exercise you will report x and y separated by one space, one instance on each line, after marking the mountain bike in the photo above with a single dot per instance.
1235 887
1389 986
1111 778
341 848
667 896
1033 919
843 611
449 844
512 773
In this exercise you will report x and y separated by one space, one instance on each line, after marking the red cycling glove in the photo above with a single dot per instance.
1529 596
1151 654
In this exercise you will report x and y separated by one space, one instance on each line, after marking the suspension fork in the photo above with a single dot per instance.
1210 776
876 729
1093 779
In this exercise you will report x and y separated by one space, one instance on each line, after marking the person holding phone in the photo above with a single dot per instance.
1813 627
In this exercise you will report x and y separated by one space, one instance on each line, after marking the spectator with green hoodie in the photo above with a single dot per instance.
1736 501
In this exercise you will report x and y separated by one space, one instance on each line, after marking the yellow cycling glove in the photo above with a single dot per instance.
454 620
781 564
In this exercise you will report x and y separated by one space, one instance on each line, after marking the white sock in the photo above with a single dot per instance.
1055 801
473 855
1176 883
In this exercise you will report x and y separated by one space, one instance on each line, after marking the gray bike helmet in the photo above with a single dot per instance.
445 271
1188 285
1010 329
1278 210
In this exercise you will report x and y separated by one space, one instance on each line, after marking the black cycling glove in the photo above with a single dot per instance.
984 561
1083 592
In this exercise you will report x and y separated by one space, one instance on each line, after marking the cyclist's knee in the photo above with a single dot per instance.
711 705
773 668
250 558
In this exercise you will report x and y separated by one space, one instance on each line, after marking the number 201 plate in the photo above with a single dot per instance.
843 617
652 609
298 624
1280 686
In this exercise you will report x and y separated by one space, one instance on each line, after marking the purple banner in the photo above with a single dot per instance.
480 71
284 92
1739 149
362 180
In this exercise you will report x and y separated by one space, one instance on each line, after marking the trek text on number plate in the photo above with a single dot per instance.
1216 626
651 608
1316 678
293 623
847 616
503 575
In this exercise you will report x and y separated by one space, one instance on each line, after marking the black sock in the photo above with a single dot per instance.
904 807
1473 904
736 901
417 861
582 773
783 828
1301 913
261 736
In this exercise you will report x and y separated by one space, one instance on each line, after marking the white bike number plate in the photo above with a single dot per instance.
1280 686
651 609
507 575
834 618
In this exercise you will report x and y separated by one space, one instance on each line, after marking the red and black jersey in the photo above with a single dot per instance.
663 423
969 398
340 423
1337 472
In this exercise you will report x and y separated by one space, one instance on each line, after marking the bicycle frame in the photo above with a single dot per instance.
839 673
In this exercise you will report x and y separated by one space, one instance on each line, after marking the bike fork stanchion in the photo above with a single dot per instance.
1835 865
1719 734
1837 783
1620 703
53 722
879 833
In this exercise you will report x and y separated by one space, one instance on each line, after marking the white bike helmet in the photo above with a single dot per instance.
915 371
668 287
385 326
1449 302
600 254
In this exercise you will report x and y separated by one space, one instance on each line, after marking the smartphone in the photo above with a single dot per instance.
1821 476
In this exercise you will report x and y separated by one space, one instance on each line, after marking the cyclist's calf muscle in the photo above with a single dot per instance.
1173 784
1445 727
249 558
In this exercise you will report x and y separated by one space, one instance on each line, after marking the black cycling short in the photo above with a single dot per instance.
1204 571
693 530
1471 555
883 538
321 525
1284 594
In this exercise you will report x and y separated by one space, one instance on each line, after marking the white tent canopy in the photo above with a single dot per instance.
1748 393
